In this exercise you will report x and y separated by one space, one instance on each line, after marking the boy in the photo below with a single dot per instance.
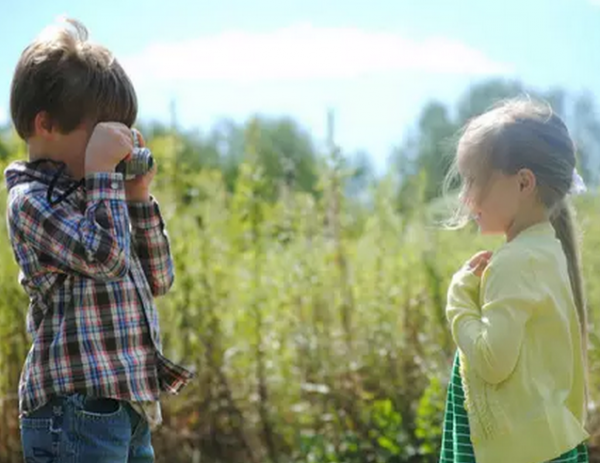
93 252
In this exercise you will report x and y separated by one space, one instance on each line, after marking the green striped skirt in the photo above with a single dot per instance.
456 439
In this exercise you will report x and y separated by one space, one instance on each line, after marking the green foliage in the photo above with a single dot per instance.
386 440
311 305
13 306
430 414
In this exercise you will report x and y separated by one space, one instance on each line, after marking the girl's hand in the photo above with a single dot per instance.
479 262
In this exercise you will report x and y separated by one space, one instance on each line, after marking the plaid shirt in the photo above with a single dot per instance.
91 265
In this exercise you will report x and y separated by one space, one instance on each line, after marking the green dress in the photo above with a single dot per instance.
456 440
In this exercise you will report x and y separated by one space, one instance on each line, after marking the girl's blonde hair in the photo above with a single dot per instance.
524 134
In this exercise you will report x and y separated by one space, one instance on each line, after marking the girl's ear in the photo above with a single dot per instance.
527 181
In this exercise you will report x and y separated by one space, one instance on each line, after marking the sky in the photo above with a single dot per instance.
375 64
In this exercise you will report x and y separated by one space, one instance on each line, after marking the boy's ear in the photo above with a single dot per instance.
43 126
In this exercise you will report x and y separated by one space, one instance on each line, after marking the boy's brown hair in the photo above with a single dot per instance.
72 80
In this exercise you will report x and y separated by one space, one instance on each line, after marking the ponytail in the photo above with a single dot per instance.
563 221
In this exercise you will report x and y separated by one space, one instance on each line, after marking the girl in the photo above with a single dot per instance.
518 392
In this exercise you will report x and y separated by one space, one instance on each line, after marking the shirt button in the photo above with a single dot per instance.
114 185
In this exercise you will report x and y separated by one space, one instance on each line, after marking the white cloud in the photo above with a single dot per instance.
304 52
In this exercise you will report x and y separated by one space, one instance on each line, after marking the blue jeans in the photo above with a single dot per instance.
80 429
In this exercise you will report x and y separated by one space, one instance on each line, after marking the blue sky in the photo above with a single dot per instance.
376 63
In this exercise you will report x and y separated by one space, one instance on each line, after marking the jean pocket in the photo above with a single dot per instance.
103 430
36 423
101 408
39 441
40 418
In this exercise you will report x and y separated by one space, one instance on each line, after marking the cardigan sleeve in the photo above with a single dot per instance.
490 331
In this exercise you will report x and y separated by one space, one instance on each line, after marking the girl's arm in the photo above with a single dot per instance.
490 338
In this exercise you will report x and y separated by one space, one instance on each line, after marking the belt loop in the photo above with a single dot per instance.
56 428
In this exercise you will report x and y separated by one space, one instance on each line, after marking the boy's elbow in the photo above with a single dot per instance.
162 286
116 270
122 270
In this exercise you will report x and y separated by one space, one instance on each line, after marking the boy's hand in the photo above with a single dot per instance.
479 262
138 189
109 144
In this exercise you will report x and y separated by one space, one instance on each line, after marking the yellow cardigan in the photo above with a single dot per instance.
520 344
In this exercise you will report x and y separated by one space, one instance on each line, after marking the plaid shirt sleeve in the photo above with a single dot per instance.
94 243
151 245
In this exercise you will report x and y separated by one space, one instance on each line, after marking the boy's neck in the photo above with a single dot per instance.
74 167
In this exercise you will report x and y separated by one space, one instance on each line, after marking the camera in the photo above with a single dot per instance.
139 162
